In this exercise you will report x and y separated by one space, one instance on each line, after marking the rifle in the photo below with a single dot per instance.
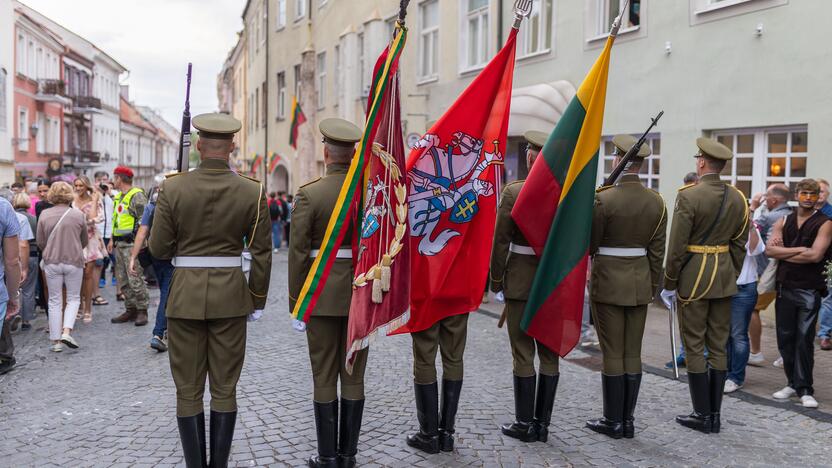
185 140
625 161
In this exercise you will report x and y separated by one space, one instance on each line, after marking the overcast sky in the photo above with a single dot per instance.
155 40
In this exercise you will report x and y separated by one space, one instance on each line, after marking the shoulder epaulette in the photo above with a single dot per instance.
685 187
172 174
603 188
514 182
309 183
249 178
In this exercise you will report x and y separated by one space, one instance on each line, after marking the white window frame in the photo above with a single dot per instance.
320 82
650 174
21 54
428 35
482 16
705 11
336 70
280 17
361 65
545 12
4 124
760 178
23 128
281 95
597 24
40 138
300 9
297 72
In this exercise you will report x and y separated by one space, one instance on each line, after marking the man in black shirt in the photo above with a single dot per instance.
801 243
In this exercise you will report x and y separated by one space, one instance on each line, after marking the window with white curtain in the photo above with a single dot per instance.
536 31
40 138
281 14
321 81
281 95
300 9
3 76
23 129
475 27
428 39
608 10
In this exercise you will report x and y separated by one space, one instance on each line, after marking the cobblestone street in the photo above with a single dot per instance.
111 403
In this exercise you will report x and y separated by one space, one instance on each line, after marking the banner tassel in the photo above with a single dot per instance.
377 294
385 273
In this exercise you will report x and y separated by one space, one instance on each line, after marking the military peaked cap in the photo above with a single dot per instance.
536 138
216 125
340 132
713 149
624 142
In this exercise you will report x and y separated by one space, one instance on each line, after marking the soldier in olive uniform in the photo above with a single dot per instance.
629 226
326 331
704 259
513 266
202 220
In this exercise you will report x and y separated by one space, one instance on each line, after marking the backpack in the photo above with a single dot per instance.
275 211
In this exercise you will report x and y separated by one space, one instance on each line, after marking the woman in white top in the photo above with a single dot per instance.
742 305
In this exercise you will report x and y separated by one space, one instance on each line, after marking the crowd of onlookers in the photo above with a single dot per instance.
59 237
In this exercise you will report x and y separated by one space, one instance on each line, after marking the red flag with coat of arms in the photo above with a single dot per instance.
455 172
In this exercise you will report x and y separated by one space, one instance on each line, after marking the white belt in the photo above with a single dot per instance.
207 262
622 251
342 253
520 249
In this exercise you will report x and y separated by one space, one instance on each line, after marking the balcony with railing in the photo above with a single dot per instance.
82 157
52 91
86 105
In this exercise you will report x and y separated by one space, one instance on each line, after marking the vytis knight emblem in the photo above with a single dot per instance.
446 181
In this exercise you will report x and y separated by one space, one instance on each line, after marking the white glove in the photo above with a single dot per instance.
299 325
668 297
500 297
255 316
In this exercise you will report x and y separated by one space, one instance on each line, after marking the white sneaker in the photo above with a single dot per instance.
56 347
784 394
778 363
275 250
730 386
756 359
809 401
69 341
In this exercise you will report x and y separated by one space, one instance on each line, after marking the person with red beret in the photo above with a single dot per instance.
129 206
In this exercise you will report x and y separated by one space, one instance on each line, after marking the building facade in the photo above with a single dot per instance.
138 144
40 99
7 66
167 140
106 124
726 69
232 92
255 19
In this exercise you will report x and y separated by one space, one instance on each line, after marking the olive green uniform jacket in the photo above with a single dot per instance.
511 273
627 215
311 210
210 212
697 209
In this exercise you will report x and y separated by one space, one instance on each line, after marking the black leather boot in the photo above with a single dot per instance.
351 414
326 425
222 433
450 401
632 384
612 424
700 418
427 412
716 380
523 427
192 435
547 386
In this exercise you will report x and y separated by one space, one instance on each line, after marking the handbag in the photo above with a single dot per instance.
51 234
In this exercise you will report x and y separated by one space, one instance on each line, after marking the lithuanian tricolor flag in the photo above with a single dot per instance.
554 212
255 164
347 205
298 118
274 159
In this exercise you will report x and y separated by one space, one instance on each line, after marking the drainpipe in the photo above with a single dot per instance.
266 106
